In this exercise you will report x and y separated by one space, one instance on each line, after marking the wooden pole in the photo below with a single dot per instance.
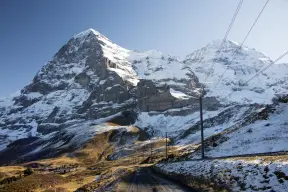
166 147
202 129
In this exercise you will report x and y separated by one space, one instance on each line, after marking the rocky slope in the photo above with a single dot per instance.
91 80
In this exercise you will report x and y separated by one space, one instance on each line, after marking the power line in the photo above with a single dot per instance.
226 35
259 15
233 19
234 53
212 67
264 69
279 58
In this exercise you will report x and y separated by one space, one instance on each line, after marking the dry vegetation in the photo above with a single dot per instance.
34 182
83 166
10 171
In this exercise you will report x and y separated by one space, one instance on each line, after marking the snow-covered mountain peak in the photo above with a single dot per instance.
92 33
219 49
224 44
87 32
229 69
134 65
108 47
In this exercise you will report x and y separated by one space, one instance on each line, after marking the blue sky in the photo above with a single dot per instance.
32 31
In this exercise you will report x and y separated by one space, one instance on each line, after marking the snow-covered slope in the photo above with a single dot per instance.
91 78
240 64
154 65
242 174
262 136
241 171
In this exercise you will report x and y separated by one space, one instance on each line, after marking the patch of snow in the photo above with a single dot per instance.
33 95
102 82
154 65
178 94
160 123
33 131
6 102
8 136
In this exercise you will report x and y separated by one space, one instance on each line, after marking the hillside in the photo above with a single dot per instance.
91 79
96 102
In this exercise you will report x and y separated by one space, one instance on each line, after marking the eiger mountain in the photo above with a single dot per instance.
92 80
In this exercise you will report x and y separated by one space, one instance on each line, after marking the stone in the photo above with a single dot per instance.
83 79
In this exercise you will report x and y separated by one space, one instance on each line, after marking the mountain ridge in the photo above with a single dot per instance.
91 80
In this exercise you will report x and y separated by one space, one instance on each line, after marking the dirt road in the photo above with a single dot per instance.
144 180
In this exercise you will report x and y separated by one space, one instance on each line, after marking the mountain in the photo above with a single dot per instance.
239 64
91 80
235 110
88 81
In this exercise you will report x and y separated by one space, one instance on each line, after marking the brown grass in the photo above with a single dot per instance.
98 148
33 182
58 161
57 189
92 155
74 184
10 171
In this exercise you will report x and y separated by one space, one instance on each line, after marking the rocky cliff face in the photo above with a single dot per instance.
88 79
92 80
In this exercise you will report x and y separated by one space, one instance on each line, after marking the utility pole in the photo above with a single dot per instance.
166 147
201 124
150 149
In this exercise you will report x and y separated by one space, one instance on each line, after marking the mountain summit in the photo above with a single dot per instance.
226 67
91 80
